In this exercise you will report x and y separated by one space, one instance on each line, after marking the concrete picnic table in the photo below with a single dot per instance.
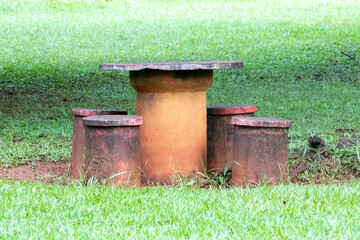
171 98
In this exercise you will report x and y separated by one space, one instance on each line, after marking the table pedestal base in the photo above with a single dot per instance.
173 134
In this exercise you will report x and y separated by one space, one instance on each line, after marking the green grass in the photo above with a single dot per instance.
301 63
282 212
295 66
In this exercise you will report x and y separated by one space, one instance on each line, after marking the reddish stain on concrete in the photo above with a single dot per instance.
231 109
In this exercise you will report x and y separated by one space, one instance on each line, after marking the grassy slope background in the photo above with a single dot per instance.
294 66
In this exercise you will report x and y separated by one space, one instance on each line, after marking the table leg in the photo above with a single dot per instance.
173 134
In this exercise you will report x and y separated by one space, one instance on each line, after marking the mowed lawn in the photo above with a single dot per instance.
301 63
32 211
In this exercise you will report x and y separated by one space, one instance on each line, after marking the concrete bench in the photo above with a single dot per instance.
77 153
220 131
112 151
259 150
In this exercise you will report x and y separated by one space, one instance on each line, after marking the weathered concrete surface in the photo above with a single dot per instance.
260 150
171 66
220 132
77 153
112 151
173 136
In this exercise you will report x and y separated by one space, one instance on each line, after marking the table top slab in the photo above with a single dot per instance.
171 66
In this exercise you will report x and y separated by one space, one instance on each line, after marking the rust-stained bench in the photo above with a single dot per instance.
259 150
77 153
112 151
220 132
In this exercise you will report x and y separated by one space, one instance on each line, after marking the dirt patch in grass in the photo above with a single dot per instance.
323 168
313 168
319 163
44 172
